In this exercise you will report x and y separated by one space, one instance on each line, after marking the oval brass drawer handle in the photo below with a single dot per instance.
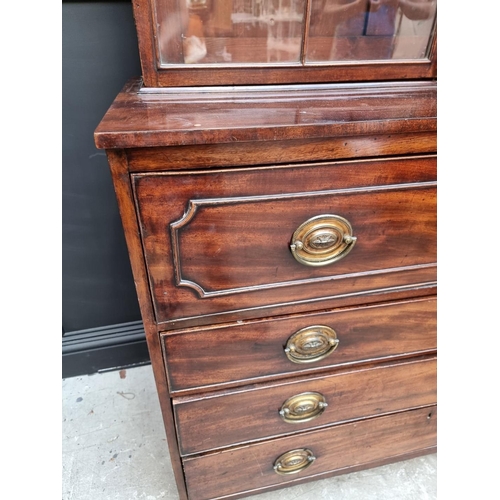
322 240
303 407
294 461
310 344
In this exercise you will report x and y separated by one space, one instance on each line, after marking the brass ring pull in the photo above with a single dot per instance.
293 461
322 240
311 344
303 407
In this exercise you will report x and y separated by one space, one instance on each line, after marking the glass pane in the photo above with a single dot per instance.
229 31
357 30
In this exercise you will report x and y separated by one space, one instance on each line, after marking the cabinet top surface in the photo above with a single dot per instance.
145 117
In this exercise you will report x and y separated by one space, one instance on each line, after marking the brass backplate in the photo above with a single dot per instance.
303 407
311 344
322 240
294 461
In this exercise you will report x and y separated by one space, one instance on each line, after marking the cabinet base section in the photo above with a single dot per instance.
247 470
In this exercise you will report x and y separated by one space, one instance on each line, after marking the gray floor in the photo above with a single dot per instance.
114 448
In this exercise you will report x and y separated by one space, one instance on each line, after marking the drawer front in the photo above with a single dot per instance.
254 350
251 468
217 242
253 414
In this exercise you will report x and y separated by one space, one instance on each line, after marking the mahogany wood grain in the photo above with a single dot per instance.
121 180
213 116
253 414
211 182
243 352
231 246
309 73
345 470
225 246
433 53
143 16
225 155
346 292
250 468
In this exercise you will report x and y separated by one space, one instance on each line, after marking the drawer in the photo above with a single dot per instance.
249 414
219 242
250 469
251 351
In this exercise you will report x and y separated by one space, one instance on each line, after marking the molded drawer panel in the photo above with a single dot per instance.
217 242
253 413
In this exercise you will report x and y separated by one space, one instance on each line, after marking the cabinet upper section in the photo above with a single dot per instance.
236 42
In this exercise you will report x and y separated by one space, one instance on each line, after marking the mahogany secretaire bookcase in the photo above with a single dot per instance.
275 170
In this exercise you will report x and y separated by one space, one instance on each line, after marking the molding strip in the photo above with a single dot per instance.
104 348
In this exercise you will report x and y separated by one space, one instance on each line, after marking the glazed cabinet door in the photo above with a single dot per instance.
284 41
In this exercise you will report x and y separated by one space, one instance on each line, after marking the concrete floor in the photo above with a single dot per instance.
114 448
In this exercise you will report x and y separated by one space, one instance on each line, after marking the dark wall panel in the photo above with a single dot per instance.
99 55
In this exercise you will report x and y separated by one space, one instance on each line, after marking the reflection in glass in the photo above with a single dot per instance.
230 31
271 32
357 30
